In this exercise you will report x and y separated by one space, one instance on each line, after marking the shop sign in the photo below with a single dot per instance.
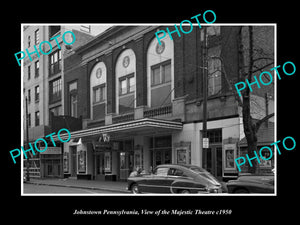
205 142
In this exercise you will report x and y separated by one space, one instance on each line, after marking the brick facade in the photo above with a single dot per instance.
188 63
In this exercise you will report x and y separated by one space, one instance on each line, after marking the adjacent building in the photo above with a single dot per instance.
43 89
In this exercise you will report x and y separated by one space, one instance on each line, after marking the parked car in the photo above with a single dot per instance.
172 178
252 184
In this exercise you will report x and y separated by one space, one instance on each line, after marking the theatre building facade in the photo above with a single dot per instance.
141 103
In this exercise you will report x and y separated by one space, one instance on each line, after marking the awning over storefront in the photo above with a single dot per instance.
135 127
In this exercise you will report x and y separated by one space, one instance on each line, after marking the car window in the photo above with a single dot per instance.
176 172
162 171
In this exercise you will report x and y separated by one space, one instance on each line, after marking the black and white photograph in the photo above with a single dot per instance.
186 114
147 110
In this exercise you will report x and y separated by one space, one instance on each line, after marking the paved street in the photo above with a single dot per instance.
45 189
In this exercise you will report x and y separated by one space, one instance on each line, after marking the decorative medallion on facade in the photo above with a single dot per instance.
126 61
160 48
99 73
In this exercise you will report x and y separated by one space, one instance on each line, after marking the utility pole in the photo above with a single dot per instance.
205 76
27 140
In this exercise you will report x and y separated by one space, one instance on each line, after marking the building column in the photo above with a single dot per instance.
146 154
110 83
141 88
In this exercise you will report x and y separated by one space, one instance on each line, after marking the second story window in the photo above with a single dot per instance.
55 62
161 74
127 84
99 94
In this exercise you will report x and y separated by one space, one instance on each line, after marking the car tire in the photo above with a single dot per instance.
241 190
184 192
135 189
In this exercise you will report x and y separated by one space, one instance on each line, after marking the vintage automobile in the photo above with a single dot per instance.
248 183
172 178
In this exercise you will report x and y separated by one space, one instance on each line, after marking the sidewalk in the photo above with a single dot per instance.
113 186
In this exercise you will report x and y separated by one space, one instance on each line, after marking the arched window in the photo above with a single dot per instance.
125 81
98 91
160 72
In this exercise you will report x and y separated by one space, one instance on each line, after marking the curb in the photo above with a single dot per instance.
82 187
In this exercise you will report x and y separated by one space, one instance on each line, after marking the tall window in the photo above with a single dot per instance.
53 30
29 72
37 37
126 81
55 90
36 68
55 62
37 118
98 91
126 93
161 84
160 81
37 93
73 98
